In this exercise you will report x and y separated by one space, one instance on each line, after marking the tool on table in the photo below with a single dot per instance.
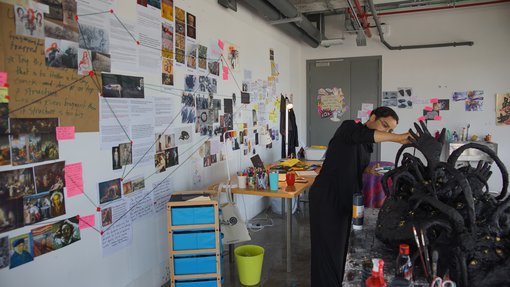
425 251
420 251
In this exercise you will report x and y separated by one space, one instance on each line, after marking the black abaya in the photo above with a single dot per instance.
331 194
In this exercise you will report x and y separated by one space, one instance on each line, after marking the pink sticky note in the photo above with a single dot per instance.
3 78
433 100
437 118
357 121
87 221
65 133
74 179
220 44
428 109
421 119
225 73
369 112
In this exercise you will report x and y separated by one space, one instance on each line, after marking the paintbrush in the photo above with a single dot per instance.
420 252
425 250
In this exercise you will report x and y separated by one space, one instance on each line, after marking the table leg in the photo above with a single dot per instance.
283 208
289 233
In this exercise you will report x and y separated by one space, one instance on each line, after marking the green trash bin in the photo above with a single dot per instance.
249 260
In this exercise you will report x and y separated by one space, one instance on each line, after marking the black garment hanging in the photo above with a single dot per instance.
283 108
293 134
331 194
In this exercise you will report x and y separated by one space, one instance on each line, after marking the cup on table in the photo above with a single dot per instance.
273 181
241 181
290 178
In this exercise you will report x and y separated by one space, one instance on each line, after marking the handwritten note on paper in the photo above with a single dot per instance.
87 221
225 73
38 91
142 204
65 133
74 179
3 78
220 44
119 235
162 192
433 100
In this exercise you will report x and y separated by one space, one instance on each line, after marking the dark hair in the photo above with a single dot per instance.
382 112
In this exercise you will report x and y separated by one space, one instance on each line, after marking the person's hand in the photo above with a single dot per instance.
404 138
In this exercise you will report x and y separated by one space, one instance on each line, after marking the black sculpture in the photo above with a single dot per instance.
469 227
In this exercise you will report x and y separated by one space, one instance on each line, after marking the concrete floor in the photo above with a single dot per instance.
273 239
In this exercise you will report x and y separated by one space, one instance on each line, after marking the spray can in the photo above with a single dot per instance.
377 278
358 209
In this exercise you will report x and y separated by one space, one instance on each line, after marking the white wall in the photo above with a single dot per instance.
145 261
438 72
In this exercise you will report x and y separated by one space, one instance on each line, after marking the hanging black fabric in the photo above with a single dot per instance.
283 107
293 134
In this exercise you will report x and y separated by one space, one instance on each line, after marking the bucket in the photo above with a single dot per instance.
249 260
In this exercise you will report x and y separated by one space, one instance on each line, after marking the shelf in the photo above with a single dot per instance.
195 251
196 276
192 226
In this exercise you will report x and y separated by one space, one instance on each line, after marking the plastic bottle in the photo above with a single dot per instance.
377 278
404 265
358 209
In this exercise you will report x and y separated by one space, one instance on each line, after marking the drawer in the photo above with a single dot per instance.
197 283
194 239
198 264
188 215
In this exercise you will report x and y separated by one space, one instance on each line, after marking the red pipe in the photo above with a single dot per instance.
364 19
439 8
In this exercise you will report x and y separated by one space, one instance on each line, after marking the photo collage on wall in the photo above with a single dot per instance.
180 35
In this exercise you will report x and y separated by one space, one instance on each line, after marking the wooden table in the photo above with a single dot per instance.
284 192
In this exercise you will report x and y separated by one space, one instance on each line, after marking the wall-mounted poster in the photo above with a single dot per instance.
474 101
503 109
405 98
331 104
389 99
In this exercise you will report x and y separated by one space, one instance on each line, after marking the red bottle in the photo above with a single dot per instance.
377 278
404 266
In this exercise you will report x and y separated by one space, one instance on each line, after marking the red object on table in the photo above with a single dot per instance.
290 177
373 193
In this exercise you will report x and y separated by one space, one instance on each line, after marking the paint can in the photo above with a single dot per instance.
358 209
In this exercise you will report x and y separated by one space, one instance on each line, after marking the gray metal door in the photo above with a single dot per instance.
360 81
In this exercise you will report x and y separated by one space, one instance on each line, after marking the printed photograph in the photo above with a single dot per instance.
56 11
208 84
85 63
101 62
443 105
190 83
58 206
169 140
159 140
34 126
116 158
202 57
171 157
21 250
43 240
61 53
5 150
404 100
109 190
159 162
167 9
142 2
41 147
66 232
61 32
183 135
389 99
126 156
154 3
29 21
4 117
214 67
167 66
94 38
474 101
127 187
106 216
191 19
138 183
179 55
4 252
49 177
191 55
191 32
36 208
11 213
180 42
167 40
180 28
459 96
167 79
121 86
188 110
503 109
180 14
69 9
232 56
16 183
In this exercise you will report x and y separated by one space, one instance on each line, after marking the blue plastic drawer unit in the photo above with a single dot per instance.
197 283
189 215
197 264
194 239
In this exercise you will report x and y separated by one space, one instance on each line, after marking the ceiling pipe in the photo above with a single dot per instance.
271 14
440 8
381 35
290 11
363 18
